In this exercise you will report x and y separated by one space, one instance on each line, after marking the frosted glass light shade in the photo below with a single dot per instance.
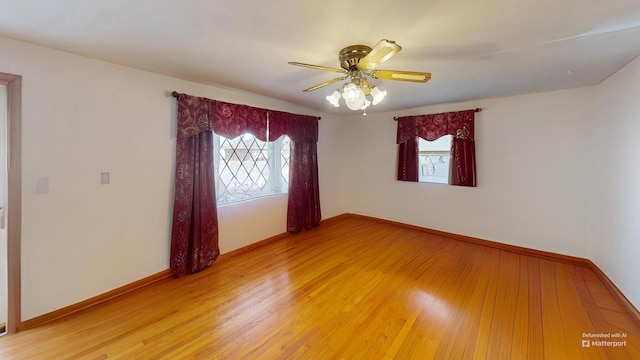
334 98
377 95
355 104
350 91
353 96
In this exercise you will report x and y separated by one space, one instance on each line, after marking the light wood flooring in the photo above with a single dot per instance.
352 289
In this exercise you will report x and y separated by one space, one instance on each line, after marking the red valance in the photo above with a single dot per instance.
198 114
231 120
297 127
433 126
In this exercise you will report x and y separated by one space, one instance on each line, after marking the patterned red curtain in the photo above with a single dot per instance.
463 161
460 124
194 234
303 209
408 160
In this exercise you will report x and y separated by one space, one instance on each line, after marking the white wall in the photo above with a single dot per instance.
614 159
331 166
82 117
530 175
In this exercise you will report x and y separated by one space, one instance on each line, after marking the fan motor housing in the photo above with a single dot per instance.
351 55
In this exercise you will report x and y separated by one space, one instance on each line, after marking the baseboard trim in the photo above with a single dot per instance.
250 247
478 241
613 289
72 309
272 239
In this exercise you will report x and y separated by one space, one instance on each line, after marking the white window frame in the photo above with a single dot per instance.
441 154
276 182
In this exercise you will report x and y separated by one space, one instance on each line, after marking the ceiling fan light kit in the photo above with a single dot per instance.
359 62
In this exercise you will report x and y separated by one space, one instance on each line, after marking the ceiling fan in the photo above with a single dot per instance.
357 63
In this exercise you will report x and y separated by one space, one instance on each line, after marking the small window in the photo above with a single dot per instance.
434 160
247 167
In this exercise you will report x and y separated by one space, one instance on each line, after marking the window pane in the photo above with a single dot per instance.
248 167
285 150
434 160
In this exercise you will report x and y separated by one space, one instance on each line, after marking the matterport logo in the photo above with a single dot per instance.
604 340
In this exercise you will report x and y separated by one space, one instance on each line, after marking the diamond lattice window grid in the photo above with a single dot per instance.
248 167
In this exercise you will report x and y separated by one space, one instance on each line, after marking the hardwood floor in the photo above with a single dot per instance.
352 289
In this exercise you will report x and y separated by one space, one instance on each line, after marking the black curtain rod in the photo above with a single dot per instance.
474 110
176 95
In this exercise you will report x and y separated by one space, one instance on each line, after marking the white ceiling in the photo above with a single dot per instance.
474 49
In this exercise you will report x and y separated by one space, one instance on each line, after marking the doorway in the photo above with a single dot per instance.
4 279
12 167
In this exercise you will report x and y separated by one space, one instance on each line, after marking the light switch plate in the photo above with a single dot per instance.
105 178
43 186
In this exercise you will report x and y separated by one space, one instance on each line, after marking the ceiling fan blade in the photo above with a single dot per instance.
317 67
316 87
399 75
384 50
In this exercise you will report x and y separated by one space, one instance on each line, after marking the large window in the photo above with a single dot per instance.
247 167
434 160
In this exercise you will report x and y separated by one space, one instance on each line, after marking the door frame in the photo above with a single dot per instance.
14 199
